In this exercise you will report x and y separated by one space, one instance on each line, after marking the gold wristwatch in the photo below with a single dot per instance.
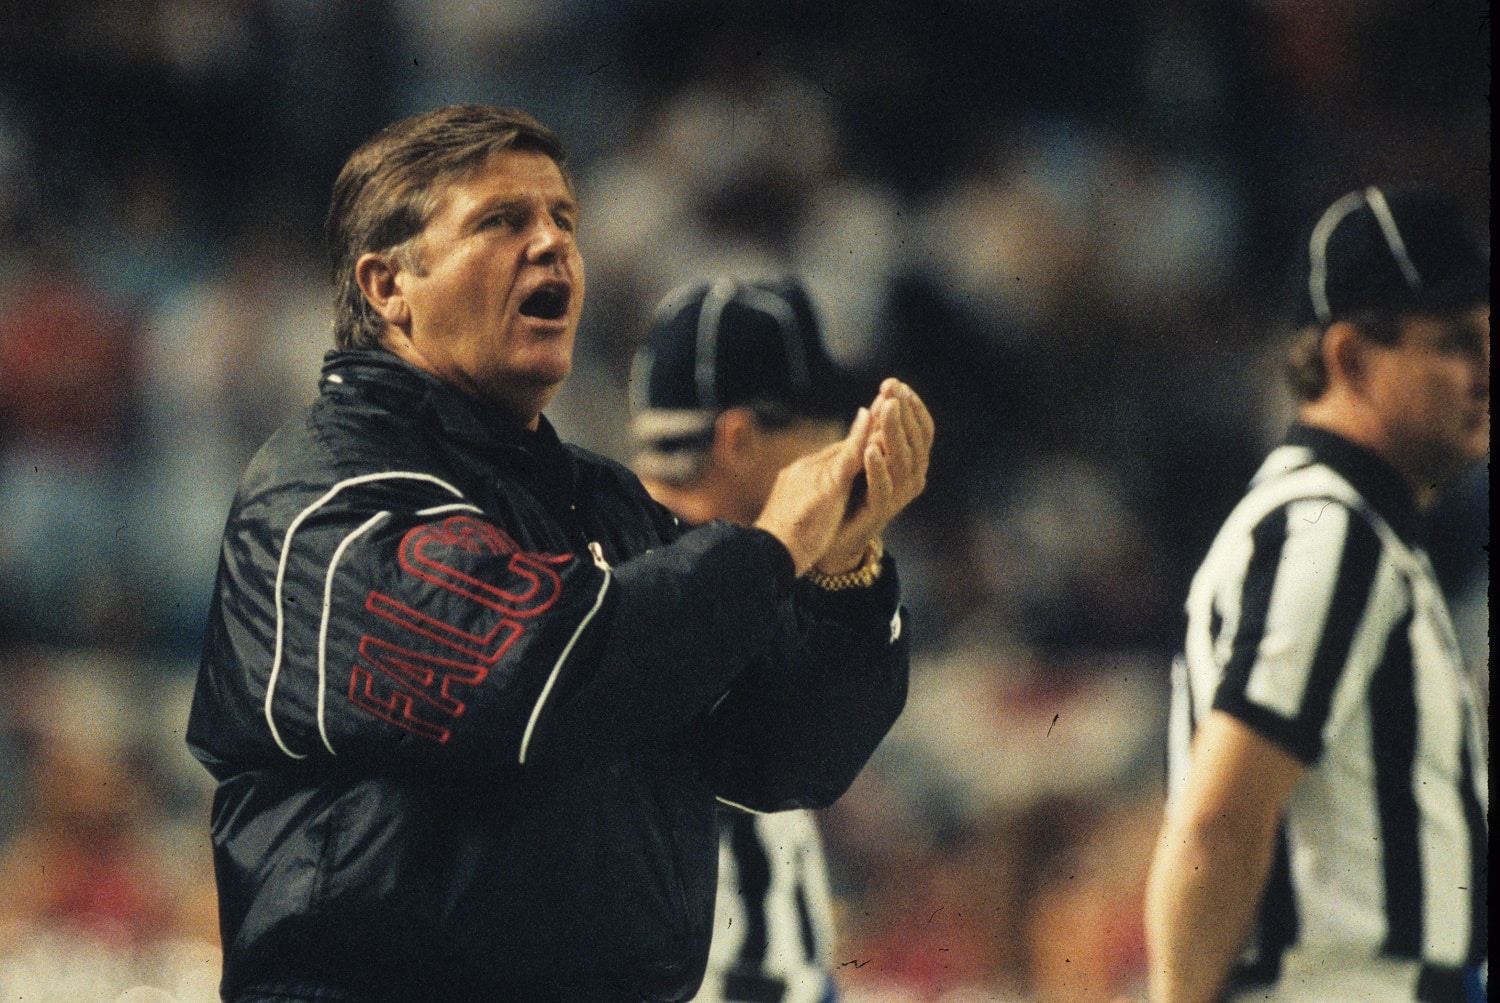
861 577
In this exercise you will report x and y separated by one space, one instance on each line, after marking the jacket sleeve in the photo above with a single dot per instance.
796 729
365 637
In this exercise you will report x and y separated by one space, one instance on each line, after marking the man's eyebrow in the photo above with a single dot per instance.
1472 332
515 203
1460 333
498 203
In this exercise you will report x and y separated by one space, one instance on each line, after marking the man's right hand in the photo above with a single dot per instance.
810 498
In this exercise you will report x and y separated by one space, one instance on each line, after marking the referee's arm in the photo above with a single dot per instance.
1213 857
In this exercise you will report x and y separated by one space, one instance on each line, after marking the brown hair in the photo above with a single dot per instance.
389 188
1304 367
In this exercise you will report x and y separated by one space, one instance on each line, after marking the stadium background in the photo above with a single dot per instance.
1065 224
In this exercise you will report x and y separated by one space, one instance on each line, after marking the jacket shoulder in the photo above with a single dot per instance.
327 448
1273 491
604 476
598 468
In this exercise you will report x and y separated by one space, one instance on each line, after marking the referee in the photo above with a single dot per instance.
731 384
1326 836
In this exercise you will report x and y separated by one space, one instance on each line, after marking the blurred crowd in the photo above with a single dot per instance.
1067 225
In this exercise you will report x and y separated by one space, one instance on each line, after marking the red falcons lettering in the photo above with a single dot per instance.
533 590
393 681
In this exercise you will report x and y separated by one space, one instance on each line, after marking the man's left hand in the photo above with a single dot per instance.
898 446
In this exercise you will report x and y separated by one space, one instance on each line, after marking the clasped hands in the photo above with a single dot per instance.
828 506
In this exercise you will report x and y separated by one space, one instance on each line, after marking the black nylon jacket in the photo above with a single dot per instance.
470 695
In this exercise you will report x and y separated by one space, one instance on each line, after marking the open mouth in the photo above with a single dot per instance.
549 302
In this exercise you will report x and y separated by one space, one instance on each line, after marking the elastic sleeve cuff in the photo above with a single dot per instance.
780 560
873 606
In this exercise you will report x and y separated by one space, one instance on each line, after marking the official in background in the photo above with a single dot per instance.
1326 836
731 384
468 692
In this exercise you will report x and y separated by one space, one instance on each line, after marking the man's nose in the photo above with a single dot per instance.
548 241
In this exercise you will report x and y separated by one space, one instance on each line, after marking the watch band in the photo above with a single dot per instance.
861 577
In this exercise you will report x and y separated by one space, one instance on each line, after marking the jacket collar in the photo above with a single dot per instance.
1375 479
415 394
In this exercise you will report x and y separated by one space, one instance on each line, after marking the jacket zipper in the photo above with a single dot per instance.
594 547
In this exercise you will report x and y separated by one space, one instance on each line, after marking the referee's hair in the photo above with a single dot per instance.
1303 366
389 189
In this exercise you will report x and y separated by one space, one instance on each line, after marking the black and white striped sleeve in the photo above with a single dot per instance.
1301 618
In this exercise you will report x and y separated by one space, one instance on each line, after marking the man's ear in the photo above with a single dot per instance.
1344 354
734 437
378 277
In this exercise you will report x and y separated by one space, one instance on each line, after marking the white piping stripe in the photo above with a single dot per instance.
785 317
286 547
1392 232
705 365
639 383
333 564
736 804
455 507
642 366
722 697
536 711
663 423
1317 278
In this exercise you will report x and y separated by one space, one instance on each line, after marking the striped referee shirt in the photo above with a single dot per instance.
1317 621
773 919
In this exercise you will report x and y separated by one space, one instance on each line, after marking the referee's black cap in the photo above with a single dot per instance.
1391 250
729 342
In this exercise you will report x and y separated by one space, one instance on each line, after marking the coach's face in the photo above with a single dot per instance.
491 295
1432 389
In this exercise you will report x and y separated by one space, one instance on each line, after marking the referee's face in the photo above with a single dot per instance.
1432 392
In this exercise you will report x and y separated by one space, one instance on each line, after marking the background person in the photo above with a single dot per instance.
733 383
469 693
1326 836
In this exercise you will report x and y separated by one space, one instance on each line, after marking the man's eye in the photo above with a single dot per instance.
1459 343
565 223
